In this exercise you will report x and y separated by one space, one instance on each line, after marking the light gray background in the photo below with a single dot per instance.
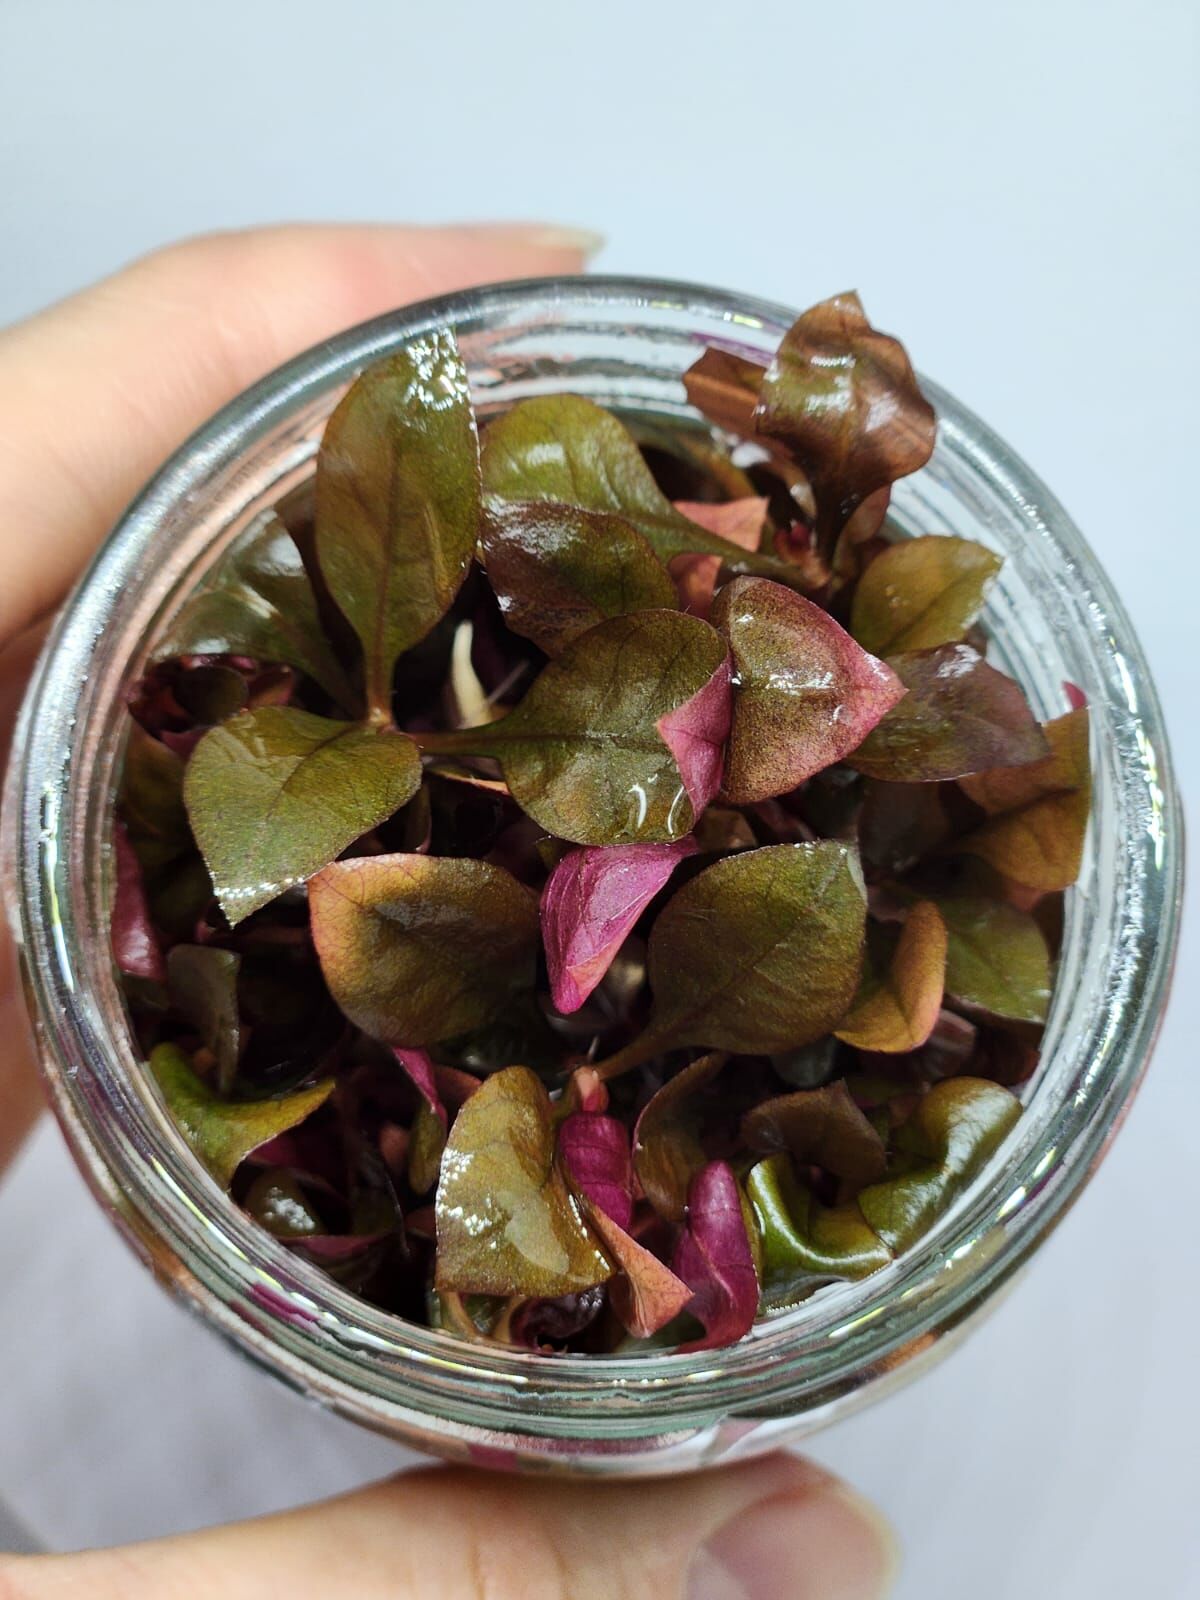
1014 191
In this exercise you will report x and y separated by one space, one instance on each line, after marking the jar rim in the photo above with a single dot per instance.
386 1371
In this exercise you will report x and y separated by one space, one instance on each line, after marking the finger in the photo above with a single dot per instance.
777 1529
95 392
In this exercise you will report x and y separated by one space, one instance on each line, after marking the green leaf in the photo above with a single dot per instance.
202 983
803 1243
257 601
557 570
507 1223
959 716
805 694
896 1008
151 800
951 1134
274 795
398 501
818 1128
620 740
921 593
997 959
1037 814
667 1152
224 1132
844 398
761 952
421 948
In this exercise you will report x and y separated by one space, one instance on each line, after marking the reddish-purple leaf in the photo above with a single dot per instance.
422 1072
589 905
595 1152
134 943
714 1259
695 734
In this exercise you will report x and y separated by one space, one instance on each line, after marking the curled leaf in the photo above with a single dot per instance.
896 1009
398 500
595 1153
921 593
997 959
506 1221
819 1128
724 388
589 905
952 1132
1037 815
202 983
274 795
667 1153
645 1294
844 398
714 1258
224 1132
805 694
959 716
557 570
804 1243
416 949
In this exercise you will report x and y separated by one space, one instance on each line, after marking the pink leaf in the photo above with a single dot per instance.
134 942
739 521
421 1071
714 1259
645 1294
591 901
695 734
595 1153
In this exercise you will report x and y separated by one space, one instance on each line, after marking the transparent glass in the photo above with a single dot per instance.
1053 617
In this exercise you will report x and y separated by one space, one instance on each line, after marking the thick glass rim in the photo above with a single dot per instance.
393 1374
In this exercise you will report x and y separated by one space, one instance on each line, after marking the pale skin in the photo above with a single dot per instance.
94 393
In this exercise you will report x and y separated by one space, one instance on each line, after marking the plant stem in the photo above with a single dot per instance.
452 741
633 1055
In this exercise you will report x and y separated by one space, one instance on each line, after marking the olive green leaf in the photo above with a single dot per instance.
151 800
507 1223
620 740
818 1128
959 716
1037 814
805 694
844 398
557 570
274 795
416 949
398 501
804 1243
667 1153
761 952
210 694
202 983
921 593
996 959
952 1132
224 1132
257 601
896 1007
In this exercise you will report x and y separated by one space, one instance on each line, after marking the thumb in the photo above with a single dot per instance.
778 1529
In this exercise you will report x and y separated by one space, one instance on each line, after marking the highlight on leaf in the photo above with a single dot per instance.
804 1243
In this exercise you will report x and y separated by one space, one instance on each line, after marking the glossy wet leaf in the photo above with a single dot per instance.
135 945
1037 815
398 500
818 1128
595 1155
557 570
274 795
619 741
202 982
805 694
224 1132
758 953
844 399
897 1006
714 1258
921 593
667 1152
951 1134
507 1223
997 959
724 388
959 716
417 949
803 1242
258 602
589 906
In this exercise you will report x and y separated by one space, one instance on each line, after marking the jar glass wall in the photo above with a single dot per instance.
1053 618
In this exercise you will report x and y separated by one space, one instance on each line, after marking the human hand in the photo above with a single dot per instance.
94 393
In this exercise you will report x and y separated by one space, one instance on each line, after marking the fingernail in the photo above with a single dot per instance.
549 236
818 1543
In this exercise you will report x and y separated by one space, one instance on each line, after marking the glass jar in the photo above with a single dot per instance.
1052 616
